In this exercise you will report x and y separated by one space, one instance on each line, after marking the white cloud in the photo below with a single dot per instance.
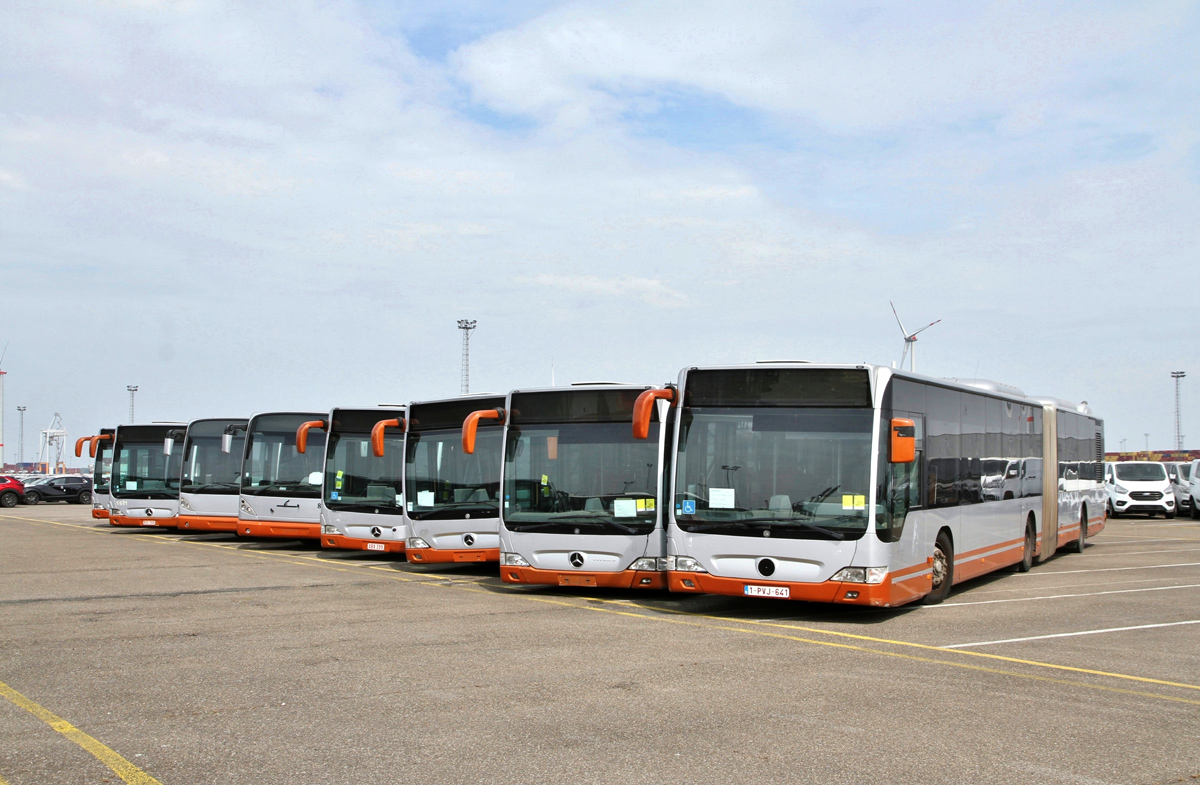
647 290
11 180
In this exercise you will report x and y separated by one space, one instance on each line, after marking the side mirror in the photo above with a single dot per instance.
377 434
302 433
168 446
643 407
903 443
79 445
227 442
471 424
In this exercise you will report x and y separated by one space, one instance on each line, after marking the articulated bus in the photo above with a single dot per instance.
145 475
280 487
362 496
101 468
582 497
865 485
453 494
212 463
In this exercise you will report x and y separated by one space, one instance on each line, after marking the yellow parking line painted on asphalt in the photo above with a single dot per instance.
106 755
471 585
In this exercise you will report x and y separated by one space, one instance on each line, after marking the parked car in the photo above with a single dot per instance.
1138 486
1180 475
11 491
68 488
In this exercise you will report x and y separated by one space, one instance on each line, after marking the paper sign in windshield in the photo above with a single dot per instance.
854 501
424 498
624 508
720 498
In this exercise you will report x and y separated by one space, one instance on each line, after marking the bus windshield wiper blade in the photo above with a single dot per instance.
577 520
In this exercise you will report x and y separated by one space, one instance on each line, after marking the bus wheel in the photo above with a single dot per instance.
1026 563
1081 538
943 570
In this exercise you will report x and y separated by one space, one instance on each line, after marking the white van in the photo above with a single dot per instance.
1138 486
1194 492
1179 474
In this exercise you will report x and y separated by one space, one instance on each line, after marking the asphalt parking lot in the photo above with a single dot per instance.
151 656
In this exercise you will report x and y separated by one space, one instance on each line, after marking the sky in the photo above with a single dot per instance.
242 207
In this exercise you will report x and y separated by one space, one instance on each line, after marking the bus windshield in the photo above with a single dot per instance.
1141 472
205 468
445 483
102 469
799 473
273 467
580 478
355 480
140 470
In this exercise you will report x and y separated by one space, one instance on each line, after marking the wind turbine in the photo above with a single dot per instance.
910 341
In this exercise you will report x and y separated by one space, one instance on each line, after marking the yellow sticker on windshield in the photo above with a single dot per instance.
860 501
847 501
545 479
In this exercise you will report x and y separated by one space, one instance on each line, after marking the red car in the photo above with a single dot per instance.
11 491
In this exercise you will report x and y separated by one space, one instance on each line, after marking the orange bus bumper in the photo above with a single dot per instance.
625 579
99 513
292 530
129 520
358 544
880 595
208 523
446 555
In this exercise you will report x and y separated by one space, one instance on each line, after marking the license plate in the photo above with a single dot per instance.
767 591
576 580
376 546
149 523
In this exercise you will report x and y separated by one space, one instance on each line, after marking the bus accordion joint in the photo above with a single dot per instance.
302 433
643 407
377 434
79 445
101 438
903 446
472 423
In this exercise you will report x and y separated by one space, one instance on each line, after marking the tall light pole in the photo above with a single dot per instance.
466 325
132 391
1147 443
1123 444
21 434
1178 377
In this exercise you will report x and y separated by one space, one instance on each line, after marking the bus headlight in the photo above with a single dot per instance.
417 542
246 508
183 504
646 563
684 564
328 528
513 560
860 575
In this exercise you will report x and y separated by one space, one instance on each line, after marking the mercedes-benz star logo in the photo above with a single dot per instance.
149 513
375 532
576 559
469 539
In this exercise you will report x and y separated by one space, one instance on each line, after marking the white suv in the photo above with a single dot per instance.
1138 486
1194 494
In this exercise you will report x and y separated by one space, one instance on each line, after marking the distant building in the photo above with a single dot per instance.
1165 456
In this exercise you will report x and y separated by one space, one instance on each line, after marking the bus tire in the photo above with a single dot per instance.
1026 563
942 576
1081 538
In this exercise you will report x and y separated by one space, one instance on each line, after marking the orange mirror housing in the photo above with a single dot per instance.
79 445
471 424
95 439
302 433
903 447
377 434
643 407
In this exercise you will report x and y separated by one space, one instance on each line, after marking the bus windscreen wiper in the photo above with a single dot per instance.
745 522
576 520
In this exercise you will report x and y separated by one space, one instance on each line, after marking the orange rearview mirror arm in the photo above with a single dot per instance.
472 423
79 445
101 438
377 434
302 433
643 407
903 447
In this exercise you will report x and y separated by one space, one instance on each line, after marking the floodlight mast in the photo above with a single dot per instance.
1178 377
466 325
910 341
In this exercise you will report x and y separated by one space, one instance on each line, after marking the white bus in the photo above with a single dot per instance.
861 484
280 486
144 485
452 490
100 450
582 497
212 463
362 496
